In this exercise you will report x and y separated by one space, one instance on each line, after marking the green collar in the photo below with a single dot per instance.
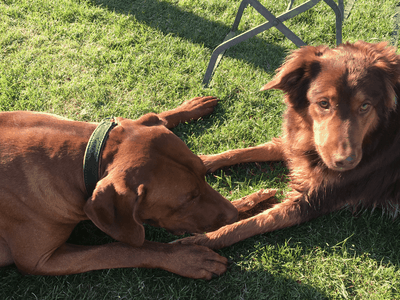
91 162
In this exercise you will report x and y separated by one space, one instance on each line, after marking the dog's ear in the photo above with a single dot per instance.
386 65
302 63
113 209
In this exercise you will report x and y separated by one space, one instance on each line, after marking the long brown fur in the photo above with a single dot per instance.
341 138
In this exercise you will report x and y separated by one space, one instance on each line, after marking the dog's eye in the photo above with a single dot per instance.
324 104
365 107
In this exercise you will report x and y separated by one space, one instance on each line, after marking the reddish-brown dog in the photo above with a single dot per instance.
341 138
147 174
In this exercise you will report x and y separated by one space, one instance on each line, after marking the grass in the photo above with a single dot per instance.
87 60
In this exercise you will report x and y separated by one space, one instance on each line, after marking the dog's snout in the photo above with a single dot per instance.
345 156
229 216
346 163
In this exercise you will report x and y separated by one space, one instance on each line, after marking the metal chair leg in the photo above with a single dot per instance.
338 9
231 39
290 5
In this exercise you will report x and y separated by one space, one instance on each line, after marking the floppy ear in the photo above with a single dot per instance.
113 209
387 66
294 76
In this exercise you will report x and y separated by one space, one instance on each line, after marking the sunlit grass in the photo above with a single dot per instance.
87 60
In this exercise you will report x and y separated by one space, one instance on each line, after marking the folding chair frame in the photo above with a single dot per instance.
232 39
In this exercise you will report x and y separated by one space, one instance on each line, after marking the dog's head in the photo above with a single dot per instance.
150 176
341 94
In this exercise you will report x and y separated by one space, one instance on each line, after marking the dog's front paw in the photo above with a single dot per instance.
196 239
197 262
250 201
198 107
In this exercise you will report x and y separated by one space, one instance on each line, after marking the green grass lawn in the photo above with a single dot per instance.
88 60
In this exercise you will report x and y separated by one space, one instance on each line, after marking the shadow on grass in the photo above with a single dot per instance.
133 283
155 284
175 21
368 233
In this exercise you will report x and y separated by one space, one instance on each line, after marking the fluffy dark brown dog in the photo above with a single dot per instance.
341 138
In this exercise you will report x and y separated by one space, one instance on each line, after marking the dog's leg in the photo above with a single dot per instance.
186 260
248 202
282 215
270 151
189 110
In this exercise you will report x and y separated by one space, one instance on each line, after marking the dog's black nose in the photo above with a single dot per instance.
346 163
